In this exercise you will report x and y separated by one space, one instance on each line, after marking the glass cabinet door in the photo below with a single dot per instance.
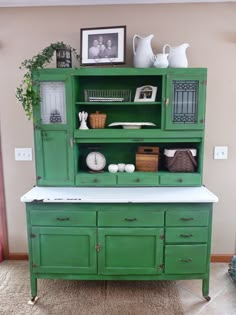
53 102
185 102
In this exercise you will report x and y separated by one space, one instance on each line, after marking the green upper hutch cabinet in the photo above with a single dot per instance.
61 147
54 130
185 101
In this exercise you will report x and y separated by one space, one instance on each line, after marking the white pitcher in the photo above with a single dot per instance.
143 55
177 56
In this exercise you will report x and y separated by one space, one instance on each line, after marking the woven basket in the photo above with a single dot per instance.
97 120
232 269
182 161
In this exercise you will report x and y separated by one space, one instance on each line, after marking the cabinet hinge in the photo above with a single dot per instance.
98 248
167 101
34 265
204 82
32 235
160 267
72 141
39 177
162 237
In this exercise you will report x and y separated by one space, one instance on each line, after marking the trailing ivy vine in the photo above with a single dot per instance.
26 92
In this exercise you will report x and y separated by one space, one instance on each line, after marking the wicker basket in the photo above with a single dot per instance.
232 269
147 159
180 160
97 120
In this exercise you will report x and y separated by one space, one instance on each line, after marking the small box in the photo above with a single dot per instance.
147 159
181 160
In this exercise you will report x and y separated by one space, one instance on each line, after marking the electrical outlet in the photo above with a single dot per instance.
23 154
220 153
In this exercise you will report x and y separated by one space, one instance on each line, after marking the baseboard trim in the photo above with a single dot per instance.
214 258
221 258
18 256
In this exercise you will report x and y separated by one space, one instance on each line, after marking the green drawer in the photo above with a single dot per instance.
138 179
186 235
131 218
63 218
180 179
187 218
185 259
102 179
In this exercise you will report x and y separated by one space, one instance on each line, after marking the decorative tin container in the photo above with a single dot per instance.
64 58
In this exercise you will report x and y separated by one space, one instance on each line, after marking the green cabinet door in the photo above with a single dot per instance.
54 157
130 251
64 250
185 101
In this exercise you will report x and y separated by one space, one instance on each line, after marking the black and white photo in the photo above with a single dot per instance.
103 45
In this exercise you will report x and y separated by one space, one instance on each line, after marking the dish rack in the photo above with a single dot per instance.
107 95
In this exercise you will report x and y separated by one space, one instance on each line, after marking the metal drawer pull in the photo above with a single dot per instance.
186 219
186 235
63 219
186 260
130 220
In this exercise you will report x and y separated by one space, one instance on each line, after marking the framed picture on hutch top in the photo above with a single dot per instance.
103 45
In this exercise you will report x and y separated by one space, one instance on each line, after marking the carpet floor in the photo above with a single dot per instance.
71 297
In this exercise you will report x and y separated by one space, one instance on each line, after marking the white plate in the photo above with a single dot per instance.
131 125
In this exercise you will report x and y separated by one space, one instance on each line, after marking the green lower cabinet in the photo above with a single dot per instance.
130 251
64 250
186 259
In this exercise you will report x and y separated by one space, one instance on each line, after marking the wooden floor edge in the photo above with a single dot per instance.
221 258
214 257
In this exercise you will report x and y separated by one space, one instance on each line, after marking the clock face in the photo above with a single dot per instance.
96 161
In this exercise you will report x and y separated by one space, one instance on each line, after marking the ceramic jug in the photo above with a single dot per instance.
142 50
160 60
177 56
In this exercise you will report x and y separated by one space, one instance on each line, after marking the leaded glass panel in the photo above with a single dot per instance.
185 101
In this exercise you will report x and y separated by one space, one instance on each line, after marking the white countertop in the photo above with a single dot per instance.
120 195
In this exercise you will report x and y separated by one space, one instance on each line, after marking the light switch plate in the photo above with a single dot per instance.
23 154
220 153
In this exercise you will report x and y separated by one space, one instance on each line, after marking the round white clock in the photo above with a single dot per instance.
96 161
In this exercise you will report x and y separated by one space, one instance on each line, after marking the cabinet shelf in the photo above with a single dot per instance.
140 135
119 103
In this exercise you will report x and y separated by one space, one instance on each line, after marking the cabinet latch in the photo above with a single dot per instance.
98 247
34 265
160 267
167 101
32 235
162 237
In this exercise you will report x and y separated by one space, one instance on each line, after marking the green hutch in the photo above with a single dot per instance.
98 225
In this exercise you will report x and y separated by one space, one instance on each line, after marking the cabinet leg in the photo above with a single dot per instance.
205 289
33 300
33 284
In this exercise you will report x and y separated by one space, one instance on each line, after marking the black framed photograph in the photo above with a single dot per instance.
146 93
102 45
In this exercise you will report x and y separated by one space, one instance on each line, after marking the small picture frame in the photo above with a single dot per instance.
102 45
146 93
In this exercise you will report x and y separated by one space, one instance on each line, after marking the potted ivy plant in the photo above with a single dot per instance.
26 92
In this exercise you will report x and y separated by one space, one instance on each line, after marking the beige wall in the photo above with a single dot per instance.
210 31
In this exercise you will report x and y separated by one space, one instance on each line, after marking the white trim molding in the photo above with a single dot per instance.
39 3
